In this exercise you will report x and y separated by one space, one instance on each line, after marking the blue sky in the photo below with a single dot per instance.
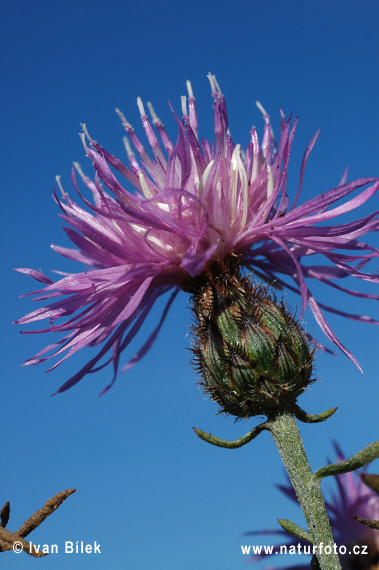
151 493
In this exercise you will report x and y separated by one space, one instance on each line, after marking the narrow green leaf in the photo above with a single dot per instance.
366 522
313 418
358 460
295 530
212 439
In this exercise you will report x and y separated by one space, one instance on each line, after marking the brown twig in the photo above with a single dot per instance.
12 541
4 515
15 540
49 507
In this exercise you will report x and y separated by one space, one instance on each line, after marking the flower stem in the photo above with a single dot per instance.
286 435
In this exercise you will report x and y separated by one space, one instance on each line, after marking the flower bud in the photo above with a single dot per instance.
253 356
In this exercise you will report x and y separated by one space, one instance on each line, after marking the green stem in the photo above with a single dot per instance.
286 435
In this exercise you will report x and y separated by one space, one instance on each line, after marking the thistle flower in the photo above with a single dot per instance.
195 202
352 498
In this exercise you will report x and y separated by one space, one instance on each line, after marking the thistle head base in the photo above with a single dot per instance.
252 355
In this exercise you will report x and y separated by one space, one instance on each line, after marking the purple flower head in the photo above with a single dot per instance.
193 202
352 497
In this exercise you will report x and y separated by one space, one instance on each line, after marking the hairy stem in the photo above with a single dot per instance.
286 435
